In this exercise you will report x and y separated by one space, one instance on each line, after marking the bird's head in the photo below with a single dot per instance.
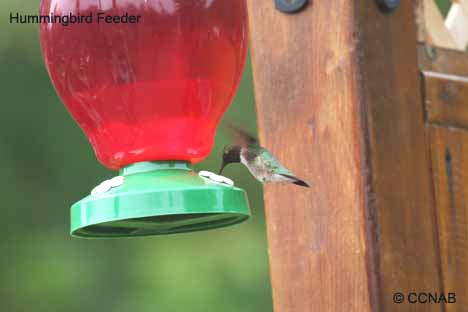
231 154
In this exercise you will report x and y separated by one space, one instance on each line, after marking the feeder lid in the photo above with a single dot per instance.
154 198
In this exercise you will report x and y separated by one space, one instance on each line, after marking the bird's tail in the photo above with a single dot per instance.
301 183
295 180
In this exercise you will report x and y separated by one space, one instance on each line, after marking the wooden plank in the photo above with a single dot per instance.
436 32
450 166
339 102
457 24
446 99
442 60
400 195
306 83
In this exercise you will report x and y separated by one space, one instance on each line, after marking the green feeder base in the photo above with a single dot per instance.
154 198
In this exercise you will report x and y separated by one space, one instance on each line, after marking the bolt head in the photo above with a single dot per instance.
290 6
389 5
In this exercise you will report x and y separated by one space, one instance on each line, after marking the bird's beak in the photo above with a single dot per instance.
222 168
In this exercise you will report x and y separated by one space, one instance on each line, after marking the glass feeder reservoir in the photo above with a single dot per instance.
148 82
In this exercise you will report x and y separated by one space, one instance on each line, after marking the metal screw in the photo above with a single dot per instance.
430 51
388 5
290 6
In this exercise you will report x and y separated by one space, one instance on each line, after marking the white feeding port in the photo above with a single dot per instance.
213 177
107 185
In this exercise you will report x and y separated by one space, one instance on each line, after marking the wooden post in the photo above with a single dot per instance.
339 102
445 79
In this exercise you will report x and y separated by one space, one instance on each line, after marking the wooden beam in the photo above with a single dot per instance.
445 75
444 61
446 99
449 149
306 80
339 102
401 194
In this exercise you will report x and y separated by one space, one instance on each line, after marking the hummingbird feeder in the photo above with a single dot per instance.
148 82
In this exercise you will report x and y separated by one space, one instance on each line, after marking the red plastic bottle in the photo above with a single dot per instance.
147 91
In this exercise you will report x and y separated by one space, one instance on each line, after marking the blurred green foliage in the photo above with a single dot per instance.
444 6
47 164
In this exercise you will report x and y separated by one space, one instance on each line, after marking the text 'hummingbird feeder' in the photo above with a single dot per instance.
148 82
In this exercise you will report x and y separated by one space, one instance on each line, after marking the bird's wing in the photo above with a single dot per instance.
272 164
242 137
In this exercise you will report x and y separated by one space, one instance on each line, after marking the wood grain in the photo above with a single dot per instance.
446 99
450 166
306 83
339 102
400 195
443 61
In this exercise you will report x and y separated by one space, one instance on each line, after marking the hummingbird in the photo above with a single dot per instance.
259 161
